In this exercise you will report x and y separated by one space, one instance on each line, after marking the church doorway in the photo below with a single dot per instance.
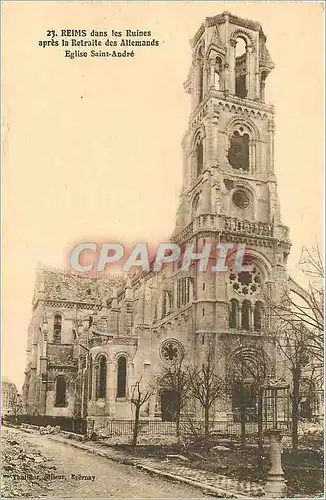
169 405
244 401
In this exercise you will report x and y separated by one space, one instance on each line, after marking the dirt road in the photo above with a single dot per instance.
79 474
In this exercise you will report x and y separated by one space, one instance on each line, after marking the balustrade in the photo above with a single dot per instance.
246 227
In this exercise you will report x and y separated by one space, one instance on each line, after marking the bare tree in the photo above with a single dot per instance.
175 377
206 386
16 405
297 329
312 265
292 341
138 399
248 376
305 306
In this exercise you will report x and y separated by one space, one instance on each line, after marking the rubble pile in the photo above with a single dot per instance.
310 429
50 430
24 469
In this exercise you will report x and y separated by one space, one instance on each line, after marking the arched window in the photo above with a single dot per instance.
233 313
258 316
199 155
121 377
241 68
60 391
238 154
101 386
245 315
57 327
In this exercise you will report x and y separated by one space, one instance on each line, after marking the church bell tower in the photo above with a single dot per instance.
229 192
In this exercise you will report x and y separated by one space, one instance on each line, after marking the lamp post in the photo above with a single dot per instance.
275 486
275 412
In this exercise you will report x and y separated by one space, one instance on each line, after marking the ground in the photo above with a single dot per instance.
218 463
38 457
303 473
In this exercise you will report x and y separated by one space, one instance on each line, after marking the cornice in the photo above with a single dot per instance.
69 304
229 102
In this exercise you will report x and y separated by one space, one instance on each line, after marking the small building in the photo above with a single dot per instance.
9 397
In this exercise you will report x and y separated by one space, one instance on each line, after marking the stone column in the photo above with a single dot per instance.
111 375
233 44
95 368
271 131
43 385
251 70
262 85
252 316
206 76
198 68
252 155
239 325
275 486
211 73
193 85
227 68
205 204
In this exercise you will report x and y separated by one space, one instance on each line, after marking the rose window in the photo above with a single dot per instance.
246 282
171 350
241 199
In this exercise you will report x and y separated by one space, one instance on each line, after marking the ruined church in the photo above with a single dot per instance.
91 339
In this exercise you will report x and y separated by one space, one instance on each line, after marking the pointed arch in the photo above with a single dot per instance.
199 157
247 123
248 362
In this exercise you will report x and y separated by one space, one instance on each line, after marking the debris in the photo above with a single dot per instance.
180 457
20 458
49 430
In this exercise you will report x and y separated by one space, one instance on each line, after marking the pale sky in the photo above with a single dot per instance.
92 147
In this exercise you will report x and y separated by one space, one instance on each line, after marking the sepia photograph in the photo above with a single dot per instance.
162 249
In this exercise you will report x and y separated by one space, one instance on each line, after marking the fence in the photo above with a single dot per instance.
146 427
69 424
192 427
